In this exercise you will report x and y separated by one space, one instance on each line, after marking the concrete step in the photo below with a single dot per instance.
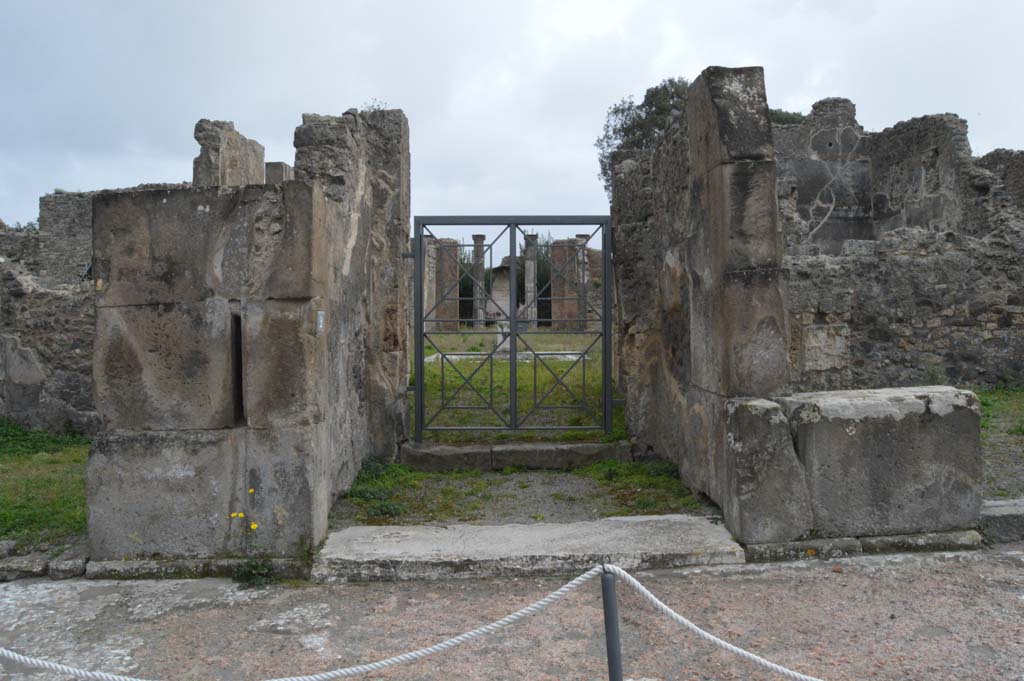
1002 520
432 457
395 553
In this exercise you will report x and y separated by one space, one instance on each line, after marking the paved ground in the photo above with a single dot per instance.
898 617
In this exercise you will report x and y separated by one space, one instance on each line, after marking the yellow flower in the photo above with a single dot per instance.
234 515
253 526
241 515
252 490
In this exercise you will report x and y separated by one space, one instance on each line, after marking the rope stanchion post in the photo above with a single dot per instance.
613 642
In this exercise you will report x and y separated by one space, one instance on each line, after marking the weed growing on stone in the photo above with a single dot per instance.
255 573
42 486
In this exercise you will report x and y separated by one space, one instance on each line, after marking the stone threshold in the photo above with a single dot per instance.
437 458
388 552
843 547
459 551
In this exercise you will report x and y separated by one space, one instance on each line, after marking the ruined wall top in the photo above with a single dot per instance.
226 157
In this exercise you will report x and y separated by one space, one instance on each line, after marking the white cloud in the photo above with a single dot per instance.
504 100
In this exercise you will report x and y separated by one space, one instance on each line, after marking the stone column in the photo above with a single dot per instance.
429 282
530 279
563 288
446 280
479 293
582 281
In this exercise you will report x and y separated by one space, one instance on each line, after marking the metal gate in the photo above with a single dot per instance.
512 329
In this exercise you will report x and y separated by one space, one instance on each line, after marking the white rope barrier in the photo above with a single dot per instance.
412 656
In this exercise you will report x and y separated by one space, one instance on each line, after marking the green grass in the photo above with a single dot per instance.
642 487
384 494
42 486
1002 411
560 384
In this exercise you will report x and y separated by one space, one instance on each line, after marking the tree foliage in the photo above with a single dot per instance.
632 125
783 117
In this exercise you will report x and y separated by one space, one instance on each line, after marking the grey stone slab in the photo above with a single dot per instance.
957 540
460 551
23 567
557 456
428 456
162 367
284 354
168 494
7 547
67 568
186 569
808 549
764 496
264 241
1002 520
890 461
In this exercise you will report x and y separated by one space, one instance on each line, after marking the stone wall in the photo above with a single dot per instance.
251 348
706 301
903 261
47 314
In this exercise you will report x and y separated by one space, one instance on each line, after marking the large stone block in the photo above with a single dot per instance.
164 367
765 497
185 245
287 489
727 110
285 361
890 461
166 495
755 343
207 494
744 215
226 157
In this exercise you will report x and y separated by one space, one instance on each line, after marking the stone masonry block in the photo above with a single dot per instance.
744 215
186 494
765 497
278 172
164 367
727 112
285 469
185 245
226 157
755 342
890 461
285 359
168 494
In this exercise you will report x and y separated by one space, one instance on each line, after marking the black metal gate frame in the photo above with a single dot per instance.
513 223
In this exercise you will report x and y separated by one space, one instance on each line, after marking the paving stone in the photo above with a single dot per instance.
819 549
20 567
1002 520
925 541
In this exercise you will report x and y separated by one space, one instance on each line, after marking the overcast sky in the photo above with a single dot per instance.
504 99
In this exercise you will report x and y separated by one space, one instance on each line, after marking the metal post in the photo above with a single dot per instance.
606 322
613 643
418 341
513 231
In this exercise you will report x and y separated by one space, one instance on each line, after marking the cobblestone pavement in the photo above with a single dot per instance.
937 616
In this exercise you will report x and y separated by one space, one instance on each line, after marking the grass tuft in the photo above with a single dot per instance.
42 486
